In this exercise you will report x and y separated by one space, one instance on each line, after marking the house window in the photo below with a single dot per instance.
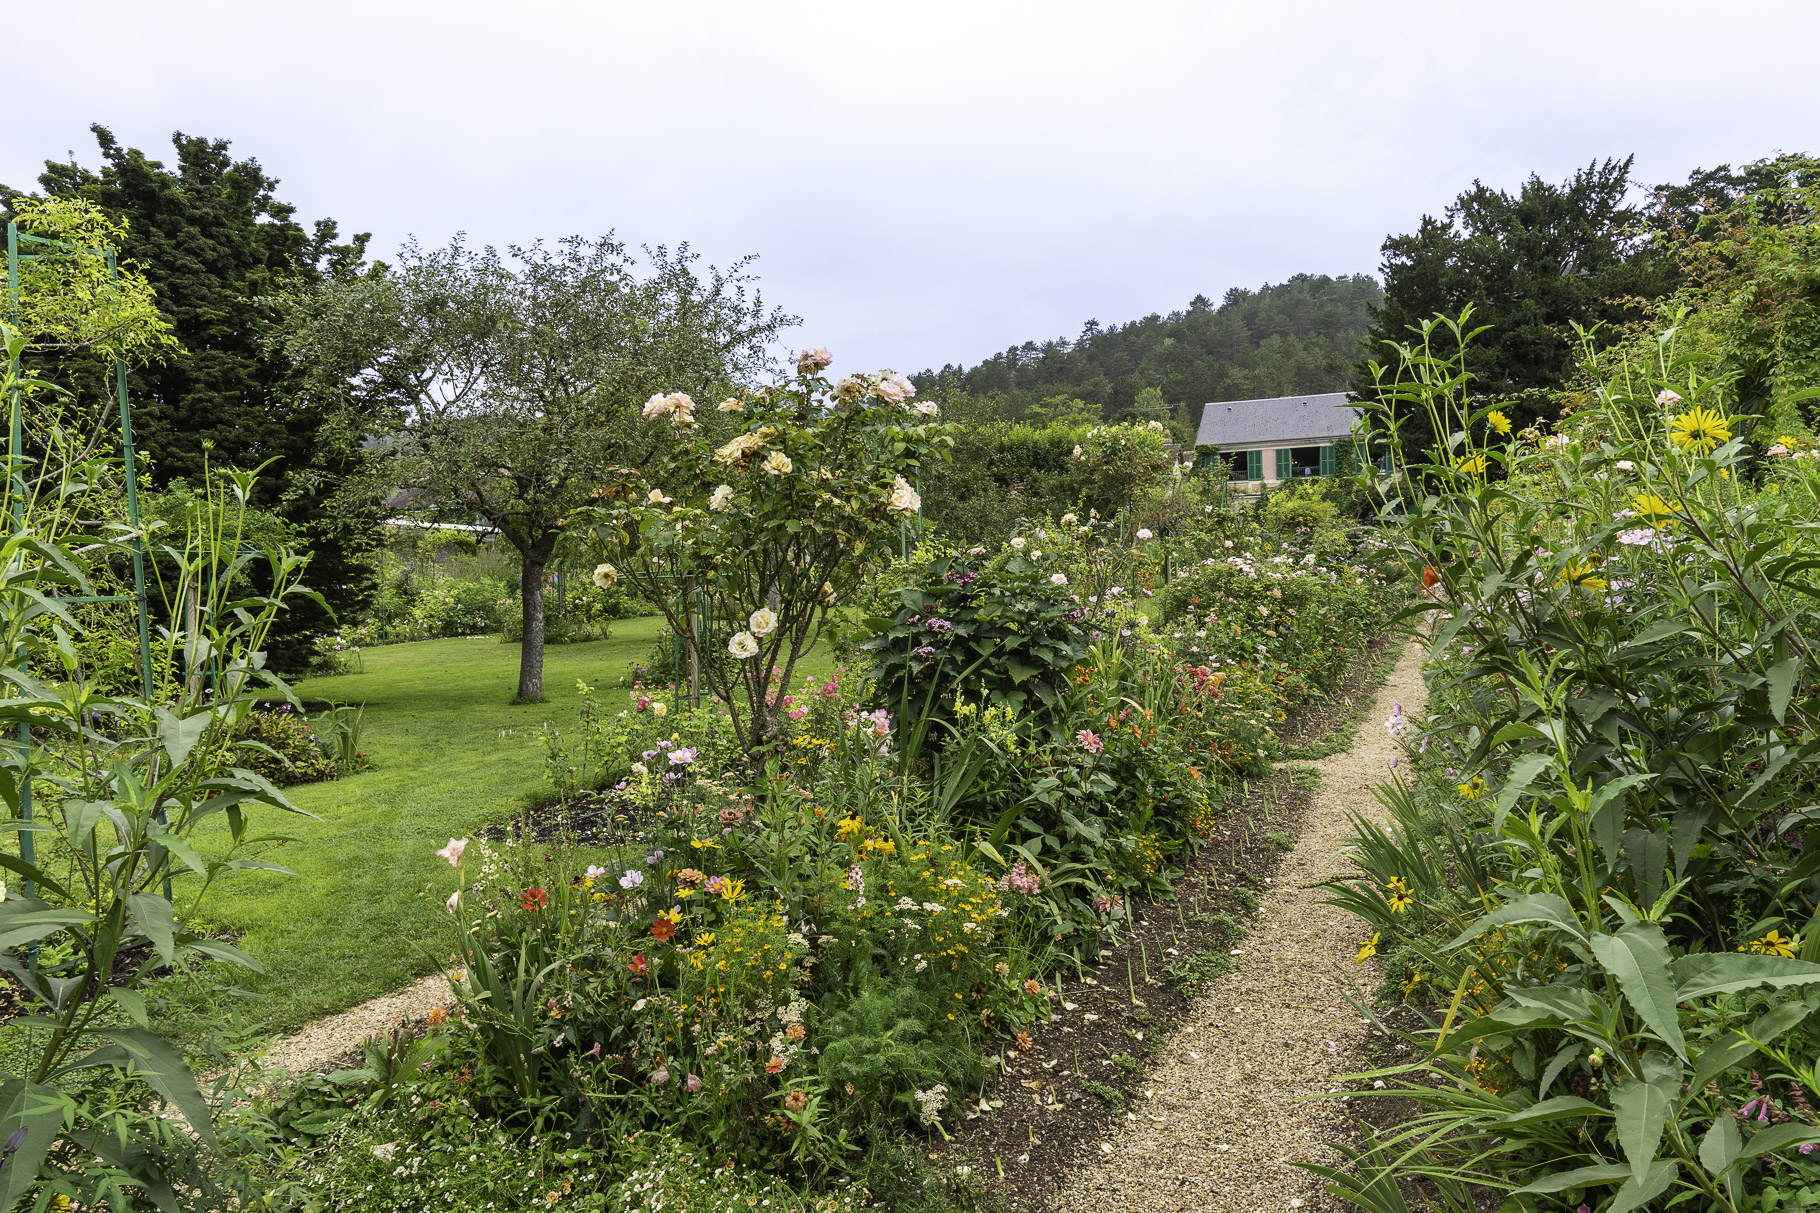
1245 465
1308 461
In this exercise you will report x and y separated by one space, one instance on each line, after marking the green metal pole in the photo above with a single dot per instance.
16 451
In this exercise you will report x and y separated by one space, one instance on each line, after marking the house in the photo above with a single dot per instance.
1278 439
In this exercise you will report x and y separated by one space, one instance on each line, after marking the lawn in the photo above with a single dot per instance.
363 915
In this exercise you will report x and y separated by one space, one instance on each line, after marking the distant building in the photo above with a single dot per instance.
1283 438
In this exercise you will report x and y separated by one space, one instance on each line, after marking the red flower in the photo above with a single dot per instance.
638 964
534 899
663 930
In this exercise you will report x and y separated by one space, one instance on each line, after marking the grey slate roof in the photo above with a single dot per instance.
1280 421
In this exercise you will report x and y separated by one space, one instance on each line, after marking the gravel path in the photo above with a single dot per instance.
324 1041
1226 1107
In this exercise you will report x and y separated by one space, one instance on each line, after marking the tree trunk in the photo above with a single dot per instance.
530 588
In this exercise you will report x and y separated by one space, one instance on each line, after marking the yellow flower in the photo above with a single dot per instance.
1653 509
1398 895
732 890
1412 981
705 939
1582 574
848 827
1775 943
1473 789
1699 429
1498 421
1368 949
704 844
1472 465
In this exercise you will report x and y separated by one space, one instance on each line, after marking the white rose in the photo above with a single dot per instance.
730 405
896 389
776 464
828 594
1077 450
605 575
657 497
682 408
1058 579
743 645
657 406
927 408
904 499
1069 520
763 621
721 499
1018 543
1144 534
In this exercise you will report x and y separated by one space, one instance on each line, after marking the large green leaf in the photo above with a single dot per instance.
1641 1111
30 1117
1706 973
161 1064
152 916
1559 1107
179 737
26 920
1719 1148
1536 907
1641 1189
1780 1137
1637 958
1579 1177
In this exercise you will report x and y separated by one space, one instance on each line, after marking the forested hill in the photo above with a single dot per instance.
1301 335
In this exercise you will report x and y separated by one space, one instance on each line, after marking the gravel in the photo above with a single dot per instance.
1228 1105
322 1043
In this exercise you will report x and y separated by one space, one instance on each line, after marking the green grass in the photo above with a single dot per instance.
364 914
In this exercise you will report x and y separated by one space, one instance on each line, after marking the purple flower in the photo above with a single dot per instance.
654 858
940 627
923 652
648 755
683 756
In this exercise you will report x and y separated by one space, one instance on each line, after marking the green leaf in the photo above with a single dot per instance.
1780 1137
1522 773
1641 1189
1562 1059
1579 1177
34 1114
162 1066
1559 1107
1725 1053
26 920
132 1002
1536 907
179 737
1705 973
1719 1148
1637 957
1782 678
152 916
1641 1111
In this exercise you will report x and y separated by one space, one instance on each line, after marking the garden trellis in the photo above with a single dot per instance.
16 460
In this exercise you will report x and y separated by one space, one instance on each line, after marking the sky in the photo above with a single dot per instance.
928 182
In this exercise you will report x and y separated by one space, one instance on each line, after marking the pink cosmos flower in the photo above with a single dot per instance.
1090 741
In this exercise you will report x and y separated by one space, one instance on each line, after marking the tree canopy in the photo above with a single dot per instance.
506 388
1300 335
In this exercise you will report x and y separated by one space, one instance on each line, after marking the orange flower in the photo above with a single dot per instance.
1430 577
662 929
775 1066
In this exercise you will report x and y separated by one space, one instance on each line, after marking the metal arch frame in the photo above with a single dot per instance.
15 450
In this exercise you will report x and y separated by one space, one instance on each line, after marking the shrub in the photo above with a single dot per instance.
277 743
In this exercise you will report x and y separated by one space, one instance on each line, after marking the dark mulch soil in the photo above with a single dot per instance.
594 819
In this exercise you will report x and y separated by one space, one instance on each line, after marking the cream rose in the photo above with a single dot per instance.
743 645
605 575
776 464
904 499
657 406
1144 533
1018 543
731 404
763 621
721 499
813 359
656 497
896 389
927 408
1058 579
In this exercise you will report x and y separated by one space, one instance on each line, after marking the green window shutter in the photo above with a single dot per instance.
1283 463
1254 465
1327 461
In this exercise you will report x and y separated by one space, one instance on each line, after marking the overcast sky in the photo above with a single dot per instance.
924 182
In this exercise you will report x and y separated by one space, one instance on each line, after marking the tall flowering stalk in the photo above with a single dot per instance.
772 526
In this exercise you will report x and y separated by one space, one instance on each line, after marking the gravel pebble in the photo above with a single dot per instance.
320 1043
1229 1104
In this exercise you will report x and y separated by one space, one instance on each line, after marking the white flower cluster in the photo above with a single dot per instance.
676 406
